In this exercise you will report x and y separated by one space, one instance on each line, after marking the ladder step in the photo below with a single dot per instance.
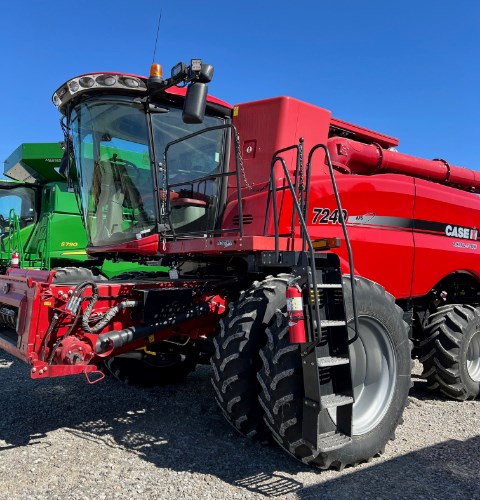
325 323
331 361
334 400
332 441
329 285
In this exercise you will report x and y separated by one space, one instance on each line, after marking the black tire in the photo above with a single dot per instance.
142 373
378 406
236 360
451 351
72 275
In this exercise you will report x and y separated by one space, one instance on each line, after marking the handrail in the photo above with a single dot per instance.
301 209
342 223
236 142
14 236
46 260
303 226
272 179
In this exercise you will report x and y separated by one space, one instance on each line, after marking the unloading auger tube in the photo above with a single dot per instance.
367 159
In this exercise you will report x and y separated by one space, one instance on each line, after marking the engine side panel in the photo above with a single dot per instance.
406 233
446 234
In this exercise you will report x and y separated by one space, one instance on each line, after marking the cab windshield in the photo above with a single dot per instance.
113 164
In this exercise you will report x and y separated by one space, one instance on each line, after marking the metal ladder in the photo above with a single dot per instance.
326 361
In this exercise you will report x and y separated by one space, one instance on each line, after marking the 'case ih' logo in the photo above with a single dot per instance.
461 232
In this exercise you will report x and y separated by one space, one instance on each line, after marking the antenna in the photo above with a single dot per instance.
156 38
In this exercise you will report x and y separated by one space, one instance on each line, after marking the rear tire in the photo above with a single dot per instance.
451 351
73 275
237 355
380 364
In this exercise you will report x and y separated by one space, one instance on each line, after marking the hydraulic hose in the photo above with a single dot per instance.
74 303
107 317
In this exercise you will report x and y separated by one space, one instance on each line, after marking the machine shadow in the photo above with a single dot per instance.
177 427
180 427
446 470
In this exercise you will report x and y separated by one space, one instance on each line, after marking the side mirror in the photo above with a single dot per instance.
206 73
195 103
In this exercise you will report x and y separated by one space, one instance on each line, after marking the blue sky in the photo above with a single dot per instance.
408 69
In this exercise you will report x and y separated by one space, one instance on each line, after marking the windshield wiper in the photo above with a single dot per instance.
154 108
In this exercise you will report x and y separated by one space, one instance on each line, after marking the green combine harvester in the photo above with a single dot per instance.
40 223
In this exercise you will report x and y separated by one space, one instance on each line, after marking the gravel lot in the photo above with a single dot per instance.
61 438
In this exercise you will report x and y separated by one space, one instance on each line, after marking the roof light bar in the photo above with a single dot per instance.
197 72
83 83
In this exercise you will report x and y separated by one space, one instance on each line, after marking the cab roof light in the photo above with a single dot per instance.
178 70
156 71
86 82
196 65
106 80
130 82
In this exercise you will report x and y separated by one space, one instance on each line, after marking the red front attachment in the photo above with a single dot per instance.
296 319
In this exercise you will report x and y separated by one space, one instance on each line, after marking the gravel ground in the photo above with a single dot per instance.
62 438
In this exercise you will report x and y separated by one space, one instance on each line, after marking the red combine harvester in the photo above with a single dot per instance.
243 205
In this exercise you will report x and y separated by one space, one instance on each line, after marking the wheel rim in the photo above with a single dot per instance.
374 373
473 358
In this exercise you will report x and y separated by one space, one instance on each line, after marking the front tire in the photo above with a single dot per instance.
237 359
380 365
451 351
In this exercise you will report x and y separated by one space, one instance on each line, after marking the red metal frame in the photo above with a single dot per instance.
38 299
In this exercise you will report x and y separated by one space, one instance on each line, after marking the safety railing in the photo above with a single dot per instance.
300 194
166 210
